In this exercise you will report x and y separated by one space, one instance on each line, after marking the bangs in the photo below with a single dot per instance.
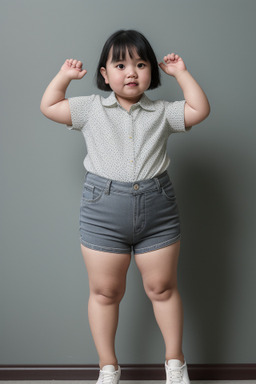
120 49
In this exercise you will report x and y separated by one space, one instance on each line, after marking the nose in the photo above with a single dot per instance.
132 72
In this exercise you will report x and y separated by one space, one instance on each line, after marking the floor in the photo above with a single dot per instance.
127 382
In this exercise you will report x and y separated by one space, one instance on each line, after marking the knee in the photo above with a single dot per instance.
108 295
160 291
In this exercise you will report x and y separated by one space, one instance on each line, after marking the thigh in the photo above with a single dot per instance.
106 271
159 268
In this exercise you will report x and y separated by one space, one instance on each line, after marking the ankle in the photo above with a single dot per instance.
104 363
179 357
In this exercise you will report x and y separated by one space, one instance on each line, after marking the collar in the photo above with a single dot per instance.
144 102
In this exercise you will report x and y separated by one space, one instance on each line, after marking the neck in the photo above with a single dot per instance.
127 103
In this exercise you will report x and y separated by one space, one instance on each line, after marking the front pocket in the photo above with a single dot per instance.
168 191
91 193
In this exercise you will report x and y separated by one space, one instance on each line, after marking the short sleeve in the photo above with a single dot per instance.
175 116
79 110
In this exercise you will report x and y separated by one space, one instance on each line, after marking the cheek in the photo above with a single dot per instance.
147 78
116 79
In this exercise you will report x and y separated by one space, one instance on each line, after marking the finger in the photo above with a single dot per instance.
169 58
79 64
70 61
162 66
74 63
82 73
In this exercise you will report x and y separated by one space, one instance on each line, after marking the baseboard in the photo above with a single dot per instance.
129 372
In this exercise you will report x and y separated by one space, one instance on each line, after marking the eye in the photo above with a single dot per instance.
120 66
141 65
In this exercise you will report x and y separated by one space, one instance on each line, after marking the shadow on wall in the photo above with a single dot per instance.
204 271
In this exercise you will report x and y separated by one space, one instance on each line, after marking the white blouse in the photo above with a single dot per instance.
126 146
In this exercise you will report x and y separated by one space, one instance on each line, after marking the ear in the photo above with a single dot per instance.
103 72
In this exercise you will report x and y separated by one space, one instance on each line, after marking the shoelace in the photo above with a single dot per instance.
107 377
175 375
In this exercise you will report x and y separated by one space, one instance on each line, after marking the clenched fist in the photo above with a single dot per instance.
172 64
73 69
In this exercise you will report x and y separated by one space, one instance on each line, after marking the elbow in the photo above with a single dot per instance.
208 110
44 109
196 116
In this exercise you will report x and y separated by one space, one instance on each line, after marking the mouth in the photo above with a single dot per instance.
132 84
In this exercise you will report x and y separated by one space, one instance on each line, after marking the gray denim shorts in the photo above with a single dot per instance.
125 217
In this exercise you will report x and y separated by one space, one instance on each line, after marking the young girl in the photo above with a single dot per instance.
128 203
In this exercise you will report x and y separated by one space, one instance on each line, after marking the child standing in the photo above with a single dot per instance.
128 201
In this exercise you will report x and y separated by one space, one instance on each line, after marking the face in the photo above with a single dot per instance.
128 78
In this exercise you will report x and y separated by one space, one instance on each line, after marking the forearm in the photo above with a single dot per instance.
193 94
55 92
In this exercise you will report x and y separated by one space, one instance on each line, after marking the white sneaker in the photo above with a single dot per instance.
108 375
176 372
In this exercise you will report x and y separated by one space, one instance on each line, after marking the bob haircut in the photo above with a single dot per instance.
124 40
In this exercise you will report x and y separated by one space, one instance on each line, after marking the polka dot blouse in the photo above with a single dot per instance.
126 146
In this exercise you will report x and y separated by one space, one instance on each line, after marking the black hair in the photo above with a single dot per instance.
124 40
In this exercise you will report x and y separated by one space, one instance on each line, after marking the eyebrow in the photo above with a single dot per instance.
115 60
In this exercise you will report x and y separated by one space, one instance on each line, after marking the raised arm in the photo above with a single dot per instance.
54 105
197 107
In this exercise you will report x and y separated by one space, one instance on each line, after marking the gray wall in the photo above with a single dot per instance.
43 281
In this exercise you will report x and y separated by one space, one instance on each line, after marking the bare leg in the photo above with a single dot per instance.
159 273
107 280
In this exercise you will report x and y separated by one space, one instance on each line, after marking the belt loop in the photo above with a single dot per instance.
107 188
157 184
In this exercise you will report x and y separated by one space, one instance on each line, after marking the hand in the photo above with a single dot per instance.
73 69
173 64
